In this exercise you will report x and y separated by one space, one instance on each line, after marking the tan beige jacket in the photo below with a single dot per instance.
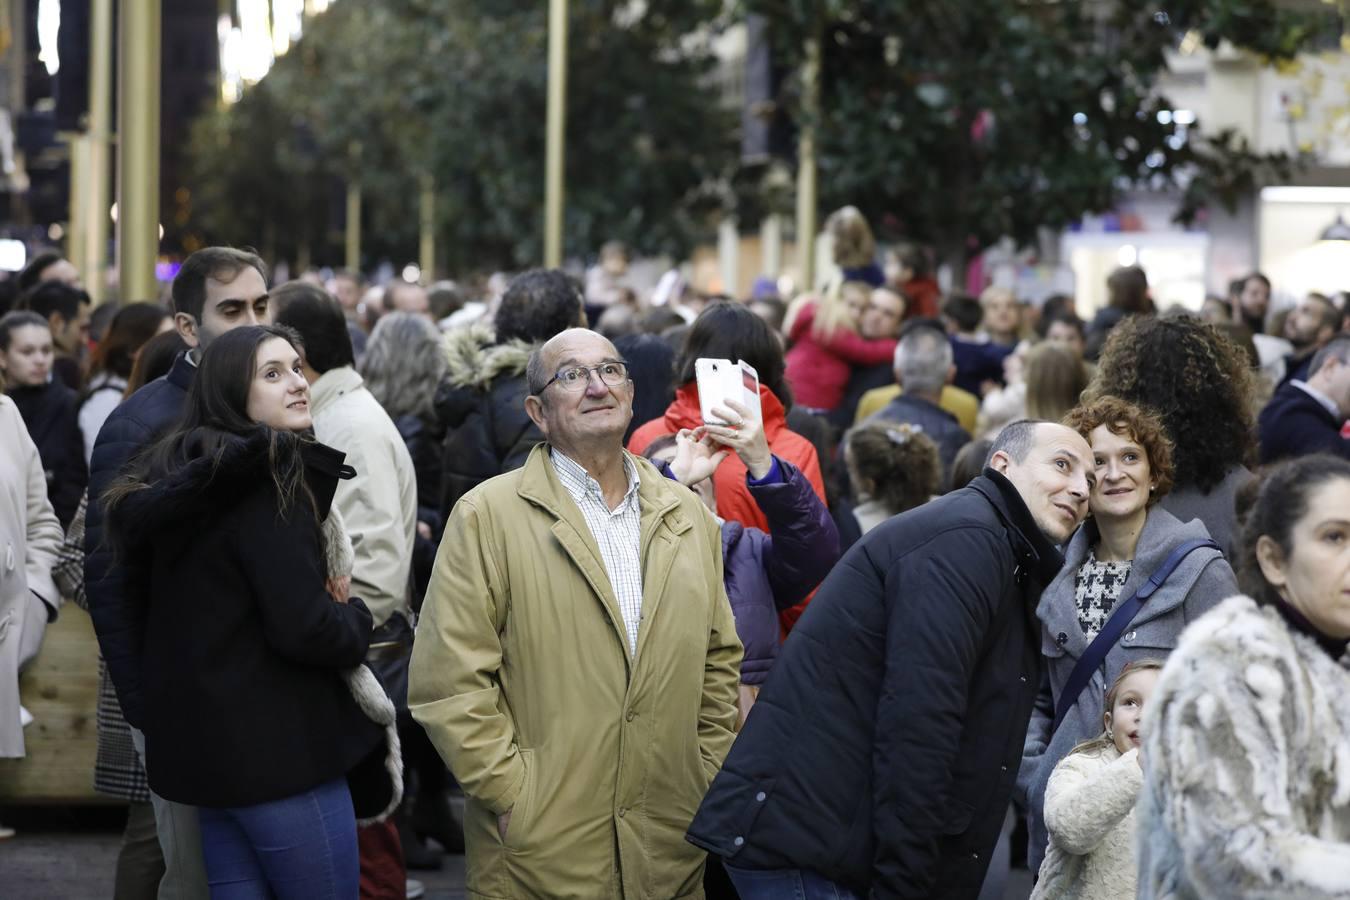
522 676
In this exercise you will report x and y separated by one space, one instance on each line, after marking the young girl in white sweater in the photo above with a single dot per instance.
1089 801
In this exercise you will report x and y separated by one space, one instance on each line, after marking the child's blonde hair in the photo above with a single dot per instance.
1104 740
854 246
832 312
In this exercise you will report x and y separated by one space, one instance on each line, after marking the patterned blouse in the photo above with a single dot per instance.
1096 590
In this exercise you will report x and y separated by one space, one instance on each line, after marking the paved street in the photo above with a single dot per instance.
69 854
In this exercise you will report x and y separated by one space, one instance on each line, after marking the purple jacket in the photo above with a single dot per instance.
768 572
765 572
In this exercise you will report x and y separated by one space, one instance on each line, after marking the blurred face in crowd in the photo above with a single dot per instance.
278 395
403 296
1124 477
882 314
1054 480
70 335
64 271
1067 336
1315 576
585 412
1255 298
347 291
1305 328
1333 379
28 361
855 301
232 300
1124 718
1001 314
1215 310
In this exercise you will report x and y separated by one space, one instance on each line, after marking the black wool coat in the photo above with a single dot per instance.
242 646
51 414
884 747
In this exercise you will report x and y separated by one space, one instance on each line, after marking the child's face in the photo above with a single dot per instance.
1123 719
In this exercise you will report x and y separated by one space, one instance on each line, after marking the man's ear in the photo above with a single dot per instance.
534 408
1272 562
1000 462
951 374
186 326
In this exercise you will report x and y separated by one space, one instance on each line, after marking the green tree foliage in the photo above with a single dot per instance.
383 91
957 122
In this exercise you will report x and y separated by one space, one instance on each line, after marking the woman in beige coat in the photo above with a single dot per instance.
29 539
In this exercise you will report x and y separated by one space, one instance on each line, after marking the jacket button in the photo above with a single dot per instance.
761 796
1130 636
630 716
1024 679
622 810
1061 639
739 842
974 856
1004 768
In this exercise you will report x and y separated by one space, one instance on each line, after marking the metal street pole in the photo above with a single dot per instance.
353 255
94 262
427 225
806 167
138 149
77 226
557 117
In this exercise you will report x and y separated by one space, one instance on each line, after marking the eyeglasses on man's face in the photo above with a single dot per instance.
575 378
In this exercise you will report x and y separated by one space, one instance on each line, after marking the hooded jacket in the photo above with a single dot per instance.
481 405
1196 586
1247 784
883 749
734 502
243 648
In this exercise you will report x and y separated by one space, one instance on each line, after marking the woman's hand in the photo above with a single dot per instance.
745 436
341 588
695 459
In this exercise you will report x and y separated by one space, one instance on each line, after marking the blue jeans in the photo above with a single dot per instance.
785 884
299 848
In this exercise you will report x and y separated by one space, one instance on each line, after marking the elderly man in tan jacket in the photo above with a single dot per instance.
576 662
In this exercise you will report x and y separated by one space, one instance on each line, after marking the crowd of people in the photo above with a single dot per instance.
962 563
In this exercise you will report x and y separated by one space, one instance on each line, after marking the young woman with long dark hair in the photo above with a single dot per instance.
258 710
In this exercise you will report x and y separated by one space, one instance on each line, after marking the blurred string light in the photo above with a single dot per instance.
48 27
265 30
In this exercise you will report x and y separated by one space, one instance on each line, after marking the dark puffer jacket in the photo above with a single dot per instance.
144 416
243 647
884 747
481 404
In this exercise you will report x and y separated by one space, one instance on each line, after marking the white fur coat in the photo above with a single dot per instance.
361 682
1089 812
1247 747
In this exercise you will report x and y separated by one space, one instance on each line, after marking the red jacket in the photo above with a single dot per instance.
734 502
925 298
817 371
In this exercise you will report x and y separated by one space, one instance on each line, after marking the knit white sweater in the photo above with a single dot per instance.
1089 812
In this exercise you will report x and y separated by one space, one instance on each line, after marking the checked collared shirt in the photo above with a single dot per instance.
618 533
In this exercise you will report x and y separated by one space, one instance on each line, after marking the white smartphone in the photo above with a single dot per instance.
721 379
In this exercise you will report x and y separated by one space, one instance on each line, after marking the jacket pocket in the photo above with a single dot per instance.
518 828
957 818
724 821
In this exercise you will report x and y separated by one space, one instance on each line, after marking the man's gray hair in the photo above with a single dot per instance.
1338 348
536 376
922 359
1016 439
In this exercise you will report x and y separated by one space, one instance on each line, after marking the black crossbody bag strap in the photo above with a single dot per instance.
1095 654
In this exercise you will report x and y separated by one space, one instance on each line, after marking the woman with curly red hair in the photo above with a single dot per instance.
1125 545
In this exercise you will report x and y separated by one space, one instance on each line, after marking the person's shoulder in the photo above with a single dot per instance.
1236 632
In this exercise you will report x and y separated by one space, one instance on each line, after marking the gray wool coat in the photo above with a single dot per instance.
1200 582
